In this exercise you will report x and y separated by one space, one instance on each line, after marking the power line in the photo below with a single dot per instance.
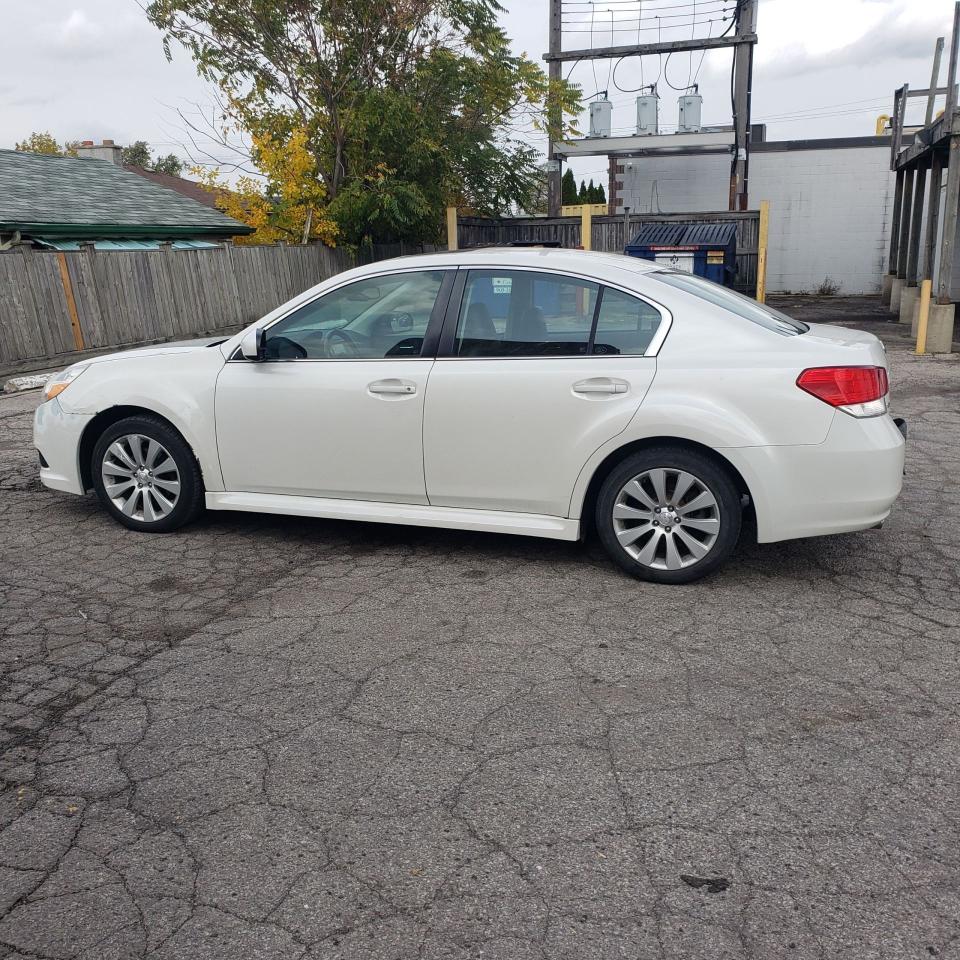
719 6
658 27
651 5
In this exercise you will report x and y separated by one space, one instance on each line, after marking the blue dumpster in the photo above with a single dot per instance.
706 249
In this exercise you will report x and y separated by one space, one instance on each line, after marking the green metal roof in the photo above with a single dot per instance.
74 245
65 197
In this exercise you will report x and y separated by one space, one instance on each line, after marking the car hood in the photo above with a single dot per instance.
176 347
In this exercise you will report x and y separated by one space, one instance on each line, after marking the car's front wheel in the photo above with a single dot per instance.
146 475
669 514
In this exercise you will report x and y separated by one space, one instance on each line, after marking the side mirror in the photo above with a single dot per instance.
253 345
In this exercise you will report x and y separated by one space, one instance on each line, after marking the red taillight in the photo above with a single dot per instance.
844 386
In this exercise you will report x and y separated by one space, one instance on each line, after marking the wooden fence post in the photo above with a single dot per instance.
71 301
586 227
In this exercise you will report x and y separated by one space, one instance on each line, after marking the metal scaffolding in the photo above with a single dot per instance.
922 246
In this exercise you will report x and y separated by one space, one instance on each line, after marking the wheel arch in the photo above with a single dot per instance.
616 456
107 418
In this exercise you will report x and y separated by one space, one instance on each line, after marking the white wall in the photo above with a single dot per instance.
830 208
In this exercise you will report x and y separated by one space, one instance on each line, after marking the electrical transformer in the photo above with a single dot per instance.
691 105
601 112
647 115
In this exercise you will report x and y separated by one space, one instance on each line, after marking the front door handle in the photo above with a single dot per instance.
600 385
395 387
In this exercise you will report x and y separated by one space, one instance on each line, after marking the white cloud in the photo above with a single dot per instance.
79 37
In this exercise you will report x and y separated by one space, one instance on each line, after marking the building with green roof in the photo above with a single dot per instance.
59 201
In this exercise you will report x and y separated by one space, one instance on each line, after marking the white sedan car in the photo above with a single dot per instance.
536 392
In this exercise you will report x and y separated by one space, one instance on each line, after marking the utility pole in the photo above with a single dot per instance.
555 115
742 91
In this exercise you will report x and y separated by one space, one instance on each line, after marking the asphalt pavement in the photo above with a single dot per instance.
267 737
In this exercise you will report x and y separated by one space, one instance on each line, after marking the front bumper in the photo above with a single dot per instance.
847 483
56 435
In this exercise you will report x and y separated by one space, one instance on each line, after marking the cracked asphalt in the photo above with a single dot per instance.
268 737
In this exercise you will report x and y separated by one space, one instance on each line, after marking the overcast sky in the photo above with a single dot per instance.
88 69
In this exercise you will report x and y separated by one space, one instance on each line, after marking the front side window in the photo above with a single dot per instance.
519 313
372 319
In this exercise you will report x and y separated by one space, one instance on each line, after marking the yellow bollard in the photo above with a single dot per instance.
922 317
452 228
586 226
762 251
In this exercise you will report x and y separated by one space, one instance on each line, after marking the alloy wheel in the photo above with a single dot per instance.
666 518
141 478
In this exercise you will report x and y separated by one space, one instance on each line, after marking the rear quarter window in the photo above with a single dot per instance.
625 324
736 303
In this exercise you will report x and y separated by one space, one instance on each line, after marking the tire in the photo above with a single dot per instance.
691 537
146 476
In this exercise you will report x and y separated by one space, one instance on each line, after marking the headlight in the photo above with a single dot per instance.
60 381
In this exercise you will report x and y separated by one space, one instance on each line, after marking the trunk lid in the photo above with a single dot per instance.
845 345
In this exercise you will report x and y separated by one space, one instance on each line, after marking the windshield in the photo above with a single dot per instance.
734 302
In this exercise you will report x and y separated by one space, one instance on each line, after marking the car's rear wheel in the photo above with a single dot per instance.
669 514
146 475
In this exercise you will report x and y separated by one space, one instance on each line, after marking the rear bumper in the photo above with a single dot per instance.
849 482
56 435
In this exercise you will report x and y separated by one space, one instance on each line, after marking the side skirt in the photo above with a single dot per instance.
452 518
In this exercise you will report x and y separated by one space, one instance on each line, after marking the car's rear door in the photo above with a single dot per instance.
536 370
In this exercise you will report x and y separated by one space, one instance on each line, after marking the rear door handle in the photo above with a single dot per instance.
401 387
600 385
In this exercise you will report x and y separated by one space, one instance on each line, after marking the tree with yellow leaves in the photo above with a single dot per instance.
288 205
46 143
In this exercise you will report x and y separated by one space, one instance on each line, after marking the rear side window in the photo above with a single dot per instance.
520 313
734 302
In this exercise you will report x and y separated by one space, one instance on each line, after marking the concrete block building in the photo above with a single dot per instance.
831 203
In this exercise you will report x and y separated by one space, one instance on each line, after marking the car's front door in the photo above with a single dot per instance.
336 408
536 370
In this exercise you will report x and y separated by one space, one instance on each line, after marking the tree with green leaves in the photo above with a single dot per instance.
408 107
601 194
171 165
137 154
568 189
582 196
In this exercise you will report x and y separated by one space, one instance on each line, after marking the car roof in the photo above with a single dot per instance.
554 258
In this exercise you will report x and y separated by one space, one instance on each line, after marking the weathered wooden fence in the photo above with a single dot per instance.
612 234
55 303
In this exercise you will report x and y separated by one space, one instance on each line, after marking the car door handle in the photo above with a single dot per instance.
401 387
600 385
